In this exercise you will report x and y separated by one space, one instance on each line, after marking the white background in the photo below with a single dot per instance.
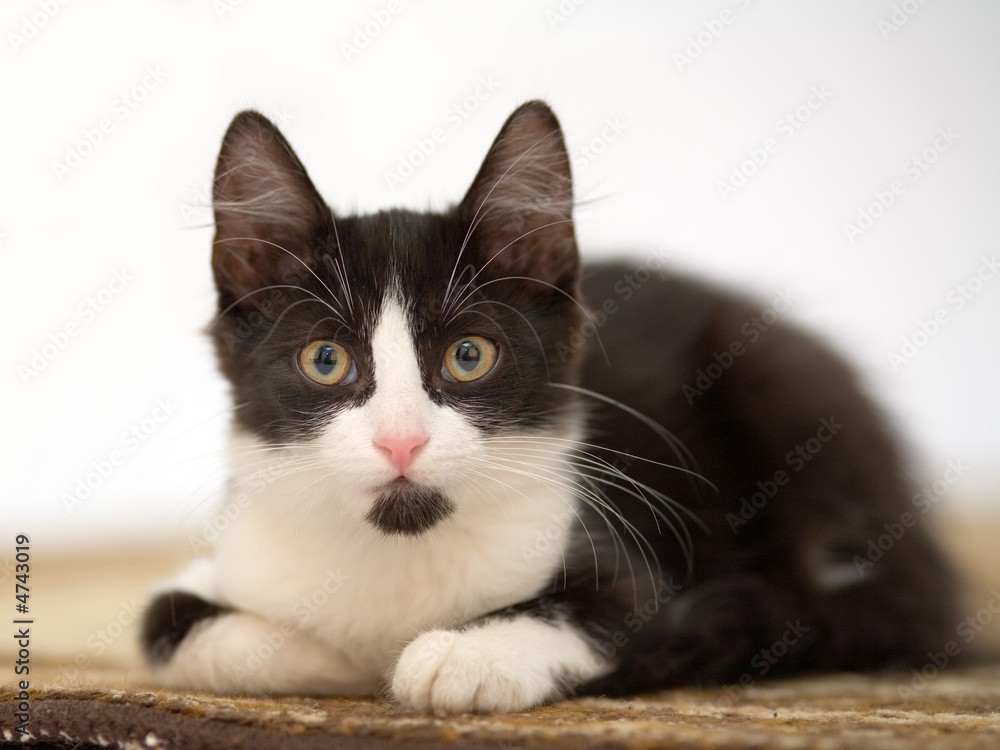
135 201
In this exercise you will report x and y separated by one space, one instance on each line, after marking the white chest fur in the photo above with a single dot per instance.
296 555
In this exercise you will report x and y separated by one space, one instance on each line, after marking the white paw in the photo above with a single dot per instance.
448 672
501 666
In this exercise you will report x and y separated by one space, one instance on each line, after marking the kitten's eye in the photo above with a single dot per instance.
469 359
327 363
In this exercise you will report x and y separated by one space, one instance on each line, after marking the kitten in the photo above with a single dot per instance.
457 484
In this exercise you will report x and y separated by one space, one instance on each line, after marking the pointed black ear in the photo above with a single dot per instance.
521 203
267 211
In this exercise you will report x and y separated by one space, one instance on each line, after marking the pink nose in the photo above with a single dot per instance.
401 449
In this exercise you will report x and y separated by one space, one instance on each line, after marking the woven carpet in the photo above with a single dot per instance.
957 710
89 690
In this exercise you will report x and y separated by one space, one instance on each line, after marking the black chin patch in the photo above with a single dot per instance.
407 508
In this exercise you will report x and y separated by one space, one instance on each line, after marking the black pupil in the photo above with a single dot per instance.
326 360
467 355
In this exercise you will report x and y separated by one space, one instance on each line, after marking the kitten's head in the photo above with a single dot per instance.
401 349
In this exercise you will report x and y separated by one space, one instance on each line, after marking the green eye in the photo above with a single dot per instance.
469 359
327 363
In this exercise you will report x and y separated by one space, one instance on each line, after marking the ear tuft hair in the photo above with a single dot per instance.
267 211
521 201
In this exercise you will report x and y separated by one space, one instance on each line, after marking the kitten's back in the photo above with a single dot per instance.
804 476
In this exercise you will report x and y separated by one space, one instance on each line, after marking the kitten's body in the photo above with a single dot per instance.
491 544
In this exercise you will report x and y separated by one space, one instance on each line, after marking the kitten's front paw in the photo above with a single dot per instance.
475 671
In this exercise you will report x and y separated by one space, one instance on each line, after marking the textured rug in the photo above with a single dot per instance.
88 689
950 710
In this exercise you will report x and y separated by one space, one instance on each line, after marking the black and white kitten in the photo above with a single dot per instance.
440 491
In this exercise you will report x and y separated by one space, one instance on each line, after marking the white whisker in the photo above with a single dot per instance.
680 450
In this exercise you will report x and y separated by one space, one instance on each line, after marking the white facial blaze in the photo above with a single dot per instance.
400 405
399 408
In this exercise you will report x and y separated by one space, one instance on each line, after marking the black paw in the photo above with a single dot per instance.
168 620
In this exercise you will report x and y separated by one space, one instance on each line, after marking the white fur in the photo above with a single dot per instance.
300 556
501 665
244 652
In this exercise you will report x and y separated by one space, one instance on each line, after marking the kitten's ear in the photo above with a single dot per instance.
521 203
267 211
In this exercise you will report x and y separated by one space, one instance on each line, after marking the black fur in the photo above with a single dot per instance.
408 508
750 583
169 618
